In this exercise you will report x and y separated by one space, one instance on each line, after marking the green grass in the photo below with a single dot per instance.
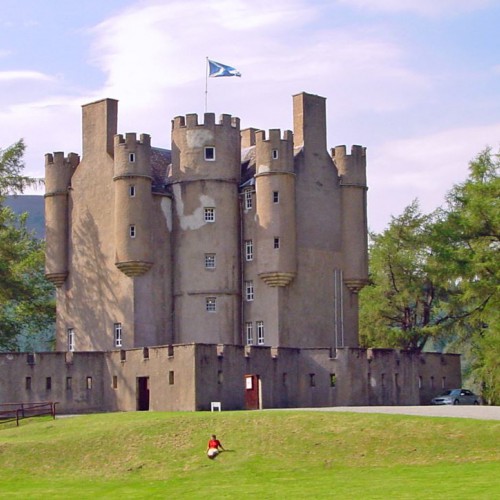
276 454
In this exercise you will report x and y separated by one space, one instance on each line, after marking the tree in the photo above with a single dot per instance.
401 307
466 252
26 300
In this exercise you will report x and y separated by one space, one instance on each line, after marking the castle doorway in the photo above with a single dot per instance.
142 393
253 392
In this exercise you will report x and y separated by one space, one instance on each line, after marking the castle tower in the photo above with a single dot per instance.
275 194
133 204
205 175
352 172
58 172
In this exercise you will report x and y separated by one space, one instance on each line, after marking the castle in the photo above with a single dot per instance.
226 269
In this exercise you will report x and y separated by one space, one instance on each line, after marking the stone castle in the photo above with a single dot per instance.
226 269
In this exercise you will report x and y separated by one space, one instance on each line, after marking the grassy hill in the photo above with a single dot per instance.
271 454
34 205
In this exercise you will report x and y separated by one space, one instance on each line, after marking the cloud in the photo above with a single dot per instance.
428 8
9 76
424 167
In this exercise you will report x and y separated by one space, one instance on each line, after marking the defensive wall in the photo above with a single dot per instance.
189 377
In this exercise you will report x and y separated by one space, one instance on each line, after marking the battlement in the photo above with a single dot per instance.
190 121
356 151
274 136
59 160
130 140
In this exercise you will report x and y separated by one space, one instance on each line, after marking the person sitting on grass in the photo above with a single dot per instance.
214 447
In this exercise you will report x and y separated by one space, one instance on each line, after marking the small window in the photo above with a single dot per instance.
312 380
69 383
48 383
210 153
210 304
260 332
118 334
276 243
123 355
443 383
131 157
382 379
396 380
284 378
145 353
220 377
248 199
131 230
333 380
30 358
131 191
248 250
89 383
249 333
115 382
28 383
420 382
276 197
209 214
249 290
171 377
209 261
275 154
71 339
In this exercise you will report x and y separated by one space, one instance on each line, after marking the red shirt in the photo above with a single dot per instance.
214 443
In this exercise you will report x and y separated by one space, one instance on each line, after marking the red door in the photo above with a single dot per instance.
252 392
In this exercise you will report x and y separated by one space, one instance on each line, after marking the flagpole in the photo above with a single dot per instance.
206 85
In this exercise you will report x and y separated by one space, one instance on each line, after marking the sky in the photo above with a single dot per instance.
417 82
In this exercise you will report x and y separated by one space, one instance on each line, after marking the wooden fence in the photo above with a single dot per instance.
17 411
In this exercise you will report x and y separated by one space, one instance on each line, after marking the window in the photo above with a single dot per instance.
249 333
210 304
210 153
131 157
89 383
248 250
275 154
209 214
171 377
248 290
248 199
48 383
131 191
276 197
115 382
443 383
220 377
71 339
209 261
69 383
28 383
118 334
131 230
284 378
333 380
260 332
420 382
145 353
312 380
276 242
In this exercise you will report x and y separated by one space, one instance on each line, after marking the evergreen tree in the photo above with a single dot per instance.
26 299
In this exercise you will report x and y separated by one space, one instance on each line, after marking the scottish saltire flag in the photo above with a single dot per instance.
217 69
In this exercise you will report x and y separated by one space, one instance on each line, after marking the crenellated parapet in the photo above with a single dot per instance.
208 150
275 195
132 156
58 172
351 167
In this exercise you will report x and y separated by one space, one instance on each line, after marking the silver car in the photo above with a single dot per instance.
456 397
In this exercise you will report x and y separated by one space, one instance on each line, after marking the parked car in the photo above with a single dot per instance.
456 397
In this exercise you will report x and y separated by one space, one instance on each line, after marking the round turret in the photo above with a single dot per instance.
352 172
58 172
275 194
133 204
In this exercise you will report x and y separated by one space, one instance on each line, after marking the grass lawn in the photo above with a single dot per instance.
276 454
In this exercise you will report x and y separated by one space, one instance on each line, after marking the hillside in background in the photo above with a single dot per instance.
34 206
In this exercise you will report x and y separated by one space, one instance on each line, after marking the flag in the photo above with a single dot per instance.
217 69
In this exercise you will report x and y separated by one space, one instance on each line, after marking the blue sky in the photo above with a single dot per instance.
415 81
